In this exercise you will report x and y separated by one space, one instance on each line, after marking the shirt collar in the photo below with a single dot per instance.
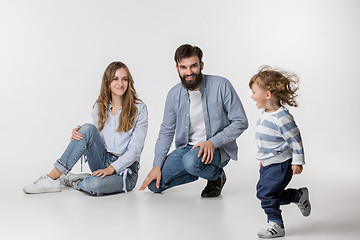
111 105
202 87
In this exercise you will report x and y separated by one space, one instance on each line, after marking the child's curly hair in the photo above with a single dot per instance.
282 84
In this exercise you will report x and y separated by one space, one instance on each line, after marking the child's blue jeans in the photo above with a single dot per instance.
92 146
271 189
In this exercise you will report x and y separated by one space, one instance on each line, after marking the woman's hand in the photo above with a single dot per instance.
75 135
104 172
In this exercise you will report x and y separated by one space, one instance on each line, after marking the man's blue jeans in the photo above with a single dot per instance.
92 146
183 166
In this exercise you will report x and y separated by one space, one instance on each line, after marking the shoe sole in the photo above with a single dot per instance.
42 191
272 236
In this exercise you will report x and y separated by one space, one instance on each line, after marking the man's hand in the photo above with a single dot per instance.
104 172
155 173
207 149
297 169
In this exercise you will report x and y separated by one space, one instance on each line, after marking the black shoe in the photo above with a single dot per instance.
213 188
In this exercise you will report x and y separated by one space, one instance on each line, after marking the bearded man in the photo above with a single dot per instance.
206 116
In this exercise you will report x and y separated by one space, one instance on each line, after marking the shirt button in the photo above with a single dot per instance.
188 101
186 127
187 114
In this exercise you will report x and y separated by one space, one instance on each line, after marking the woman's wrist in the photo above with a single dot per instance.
111 169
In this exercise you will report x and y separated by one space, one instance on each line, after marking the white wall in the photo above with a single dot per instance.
53 55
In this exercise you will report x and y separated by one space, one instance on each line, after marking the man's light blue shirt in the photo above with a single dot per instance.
224 116
127 145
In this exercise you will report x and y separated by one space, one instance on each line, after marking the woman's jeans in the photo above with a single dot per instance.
92 146
183 166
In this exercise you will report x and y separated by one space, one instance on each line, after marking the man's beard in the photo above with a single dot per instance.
192 84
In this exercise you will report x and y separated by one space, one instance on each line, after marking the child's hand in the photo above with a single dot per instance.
297 169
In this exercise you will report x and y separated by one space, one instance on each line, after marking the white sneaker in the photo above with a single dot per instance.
70 179
304 202
272 230
44 184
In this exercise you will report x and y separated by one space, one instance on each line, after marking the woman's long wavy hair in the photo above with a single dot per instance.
282 84
130 98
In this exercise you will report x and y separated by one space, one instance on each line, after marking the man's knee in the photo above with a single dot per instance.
191 162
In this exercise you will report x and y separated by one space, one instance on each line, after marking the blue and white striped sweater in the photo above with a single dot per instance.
278 138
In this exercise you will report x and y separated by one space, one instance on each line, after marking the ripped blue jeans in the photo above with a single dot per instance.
92 146
183 166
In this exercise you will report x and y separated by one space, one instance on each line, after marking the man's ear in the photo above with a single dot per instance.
201 65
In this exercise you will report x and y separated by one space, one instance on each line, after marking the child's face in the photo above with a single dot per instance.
259 95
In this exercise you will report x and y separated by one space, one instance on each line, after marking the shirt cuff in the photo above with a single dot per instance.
298 160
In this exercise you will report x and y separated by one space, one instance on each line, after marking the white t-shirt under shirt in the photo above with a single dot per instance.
197 123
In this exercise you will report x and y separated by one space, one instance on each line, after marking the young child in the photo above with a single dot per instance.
280 149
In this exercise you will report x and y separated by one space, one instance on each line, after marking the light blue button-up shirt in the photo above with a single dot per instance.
224 116
127 145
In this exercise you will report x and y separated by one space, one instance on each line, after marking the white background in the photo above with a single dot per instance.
53 55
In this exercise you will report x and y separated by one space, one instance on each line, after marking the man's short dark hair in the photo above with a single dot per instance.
186 51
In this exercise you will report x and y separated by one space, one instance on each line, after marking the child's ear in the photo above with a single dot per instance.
268 94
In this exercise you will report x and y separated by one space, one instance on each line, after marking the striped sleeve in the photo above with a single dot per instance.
291 134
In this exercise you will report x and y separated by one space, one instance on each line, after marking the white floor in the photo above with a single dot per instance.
179 213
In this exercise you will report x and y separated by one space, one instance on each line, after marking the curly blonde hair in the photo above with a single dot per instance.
129 110
281 84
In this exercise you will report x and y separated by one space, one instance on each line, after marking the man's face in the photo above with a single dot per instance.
189 70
